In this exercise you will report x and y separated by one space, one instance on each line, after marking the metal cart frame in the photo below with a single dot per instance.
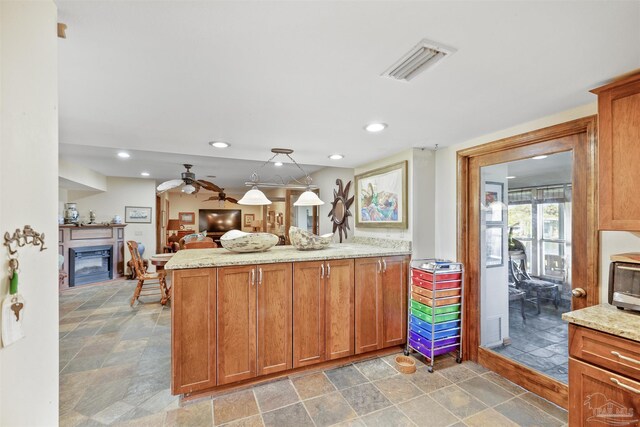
440 264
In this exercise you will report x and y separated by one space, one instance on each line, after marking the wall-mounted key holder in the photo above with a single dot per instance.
13 306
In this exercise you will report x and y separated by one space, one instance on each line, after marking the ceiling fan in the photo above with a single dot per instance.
221 198
189 183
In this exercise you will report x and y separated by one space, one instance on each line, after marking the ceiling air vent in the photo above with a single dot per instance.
424 55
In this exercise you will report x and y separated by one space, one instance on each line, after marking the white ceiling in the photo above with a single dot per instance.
169 76
555 169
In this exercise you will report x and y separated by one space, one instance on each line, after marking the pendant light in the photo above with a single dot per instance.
257 197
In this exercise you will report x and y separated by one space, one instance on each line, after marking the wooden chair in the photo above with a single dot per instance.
206 243
145 278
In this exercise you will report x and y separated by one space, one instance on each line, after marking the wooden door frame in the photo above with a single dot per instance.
532 380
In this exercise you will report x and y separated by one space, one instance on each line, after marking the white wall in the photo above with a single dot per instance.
121 192
325 179
29 185
81 175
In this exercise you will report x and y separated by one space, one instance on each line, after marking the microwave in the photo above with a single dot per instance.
624 281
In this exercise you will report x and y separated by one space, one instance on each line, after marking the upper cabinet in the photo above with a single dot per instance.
619 154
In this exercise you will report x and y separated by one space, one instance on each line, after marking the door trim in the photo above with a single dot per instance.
539 383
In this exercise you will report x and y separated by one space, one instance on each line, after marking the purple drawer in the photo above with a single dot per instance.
437 343
426 351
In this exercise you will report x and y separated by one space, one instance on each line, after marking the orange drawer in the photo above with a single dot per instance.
439 301
429 293
607 351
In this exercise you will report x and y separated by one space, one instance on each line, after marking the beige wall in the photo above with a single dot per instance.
81 175
121 192
28 185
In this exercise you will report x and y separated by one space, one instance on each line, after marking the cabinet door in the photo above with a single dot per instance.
368 300
598 397
274 283
193 324
619 155
339 296
308 313
236 324
394 301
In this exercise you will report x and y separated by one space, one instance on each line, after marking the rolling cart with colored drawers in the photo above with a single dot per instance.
435 309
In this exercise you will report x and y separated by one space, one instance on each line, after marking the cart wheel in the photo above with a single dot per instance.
458 359
406 352
430 369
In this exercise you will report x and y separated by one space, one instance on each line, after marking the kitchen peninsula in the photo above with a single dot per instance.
245 318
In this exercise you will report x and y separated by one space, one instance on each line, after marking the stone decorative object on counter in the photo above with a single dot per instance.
239 241
302 240
607 318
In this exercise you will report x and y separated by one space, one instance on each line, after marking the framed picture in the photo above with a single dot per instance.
381 197
187 218
137 214
494 201
248 219
494 242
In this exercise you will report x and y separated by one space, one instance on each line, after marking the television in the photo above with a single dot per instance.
220 220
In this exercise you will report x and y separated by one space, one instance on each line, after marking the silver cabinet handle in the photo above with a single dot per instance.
628 359
384 263
622 267
328 270
260 276
322 270
624 386
379 266
252 280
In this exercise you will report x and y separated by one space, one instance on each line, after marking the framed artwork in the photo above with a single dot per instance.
248 219
137 214
187 218
381 197
494 242
494 201
272 217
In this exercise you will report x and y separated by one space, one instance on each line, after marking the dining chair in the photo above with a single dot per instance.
145 278
206 243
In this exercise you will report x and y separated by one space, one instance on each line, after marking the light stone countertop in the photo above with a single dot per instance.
220 257
609 319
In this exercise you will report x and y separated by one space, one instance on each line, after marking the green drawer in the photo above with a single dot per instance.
439 310
439 317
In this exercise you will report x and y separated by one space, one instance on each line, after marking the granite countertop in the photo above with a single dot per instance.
607 318
220 257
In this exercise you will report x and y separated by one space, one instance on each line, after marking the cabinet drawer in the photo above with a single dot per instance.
607 351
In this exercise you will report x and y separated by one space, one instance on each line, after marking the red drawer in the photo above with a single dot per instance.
438 285
441 293
428 276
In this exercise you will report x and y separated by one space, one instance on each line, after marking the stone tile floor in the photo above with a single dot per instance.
114 370
542 342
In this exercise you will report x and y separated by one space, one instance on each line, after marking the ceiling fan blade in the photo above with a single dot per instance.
210 198
232 200
209 186
168 185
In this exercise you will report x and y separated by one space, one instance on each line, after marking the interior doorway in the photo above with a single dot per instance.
528 238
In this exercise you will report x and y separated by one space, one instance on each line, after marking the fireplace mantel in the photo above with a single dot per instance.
72 236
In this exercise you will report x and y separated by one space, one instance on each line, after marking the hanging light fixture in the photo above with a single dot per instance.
257 197
188 189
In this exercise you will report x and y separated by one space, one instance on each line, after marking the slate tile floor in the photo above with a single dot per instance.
541 342
114 370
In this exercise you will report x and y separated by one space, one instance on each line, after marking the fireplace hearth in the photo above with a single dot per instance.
90 264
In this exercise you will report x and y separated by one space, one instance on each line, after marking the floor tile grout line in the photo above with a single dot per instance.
302 401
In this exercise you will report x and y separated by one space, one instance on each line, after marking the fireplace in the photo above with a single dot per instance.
90 264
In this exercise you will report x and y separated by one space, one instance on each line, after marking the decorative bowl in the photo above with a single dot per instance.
302 240
239 241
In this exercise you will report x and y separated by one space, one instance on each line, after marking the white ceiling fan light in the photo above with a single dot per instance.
423 56
188 189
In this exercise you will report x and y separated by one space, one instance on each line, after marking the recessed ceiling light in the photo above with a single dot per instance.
375 127
219 144
145 173
278 164
510 177
539 157
336 156
124 155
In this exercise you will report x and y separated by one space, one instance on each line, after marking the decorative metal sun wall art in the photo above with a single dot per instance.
340 208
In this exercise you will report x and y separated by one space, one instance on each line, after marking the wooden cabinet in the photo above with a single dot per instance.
254 321
604 379
193 325
380 303
619 154
323 298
